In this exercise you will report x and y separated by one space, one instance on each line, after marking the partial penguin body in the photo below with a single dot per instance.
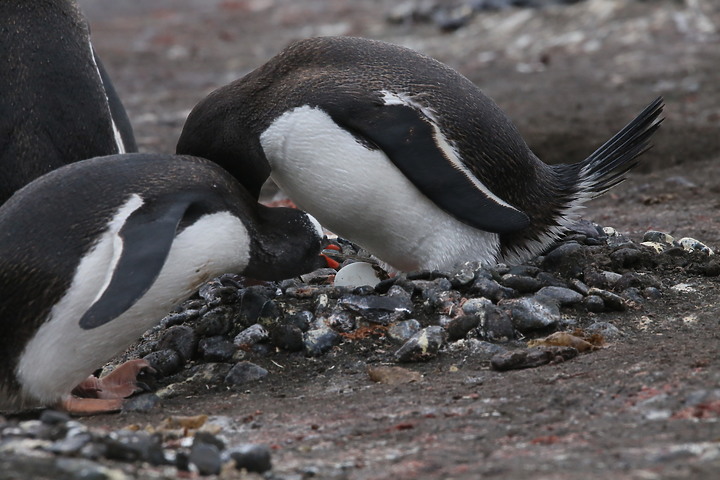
96 252
400 154
57 104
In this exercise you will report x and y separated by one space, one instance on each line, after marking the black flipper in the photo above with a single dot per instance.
147 237
407 137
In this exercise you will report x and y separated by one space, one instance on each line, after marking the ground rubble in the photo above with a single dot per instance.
227 337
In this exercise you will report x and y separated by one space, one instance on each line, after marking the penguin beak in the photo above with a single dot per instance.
329 246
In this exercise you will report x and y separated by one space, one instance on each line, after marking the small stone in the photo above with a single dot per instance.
615 238
611 300
531 358
530 314
251 335
72 444
181 339
301 319
253 458
563 339
458 327
393 375
319 276
403 331
252 301
549 280
245 372
606 329
658 237
491 290
378 309
633 296
128 446
216 349
655 247
497 326
143 403
593 303
521 283
206 458
464 276
475 305
692 245
567 259
217 321
628 258
215 293
319 341
358 274
287 337
561 295
53 417
342 322
166 362
579 286
423 345
652 293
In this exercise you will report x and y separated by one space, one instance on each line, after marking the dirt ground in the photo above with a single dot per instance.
569 77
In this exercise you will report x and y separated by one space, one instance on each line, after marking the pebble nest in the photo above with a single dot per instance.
509 317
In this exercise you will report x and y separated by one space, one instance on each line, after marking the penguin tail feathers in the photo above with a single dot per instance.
607 166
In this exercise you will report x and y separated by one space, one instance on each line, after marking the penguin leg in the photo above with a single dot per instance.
118 384
89 406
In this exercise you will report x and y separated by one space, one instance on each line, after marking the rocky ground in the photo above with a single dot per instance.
421 377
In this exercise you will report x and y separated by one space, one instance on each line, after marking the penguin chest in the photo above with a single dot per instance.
62 353
358 193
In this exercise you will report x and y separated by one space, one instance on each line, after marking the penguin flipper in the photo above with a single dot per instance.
419 150
146 239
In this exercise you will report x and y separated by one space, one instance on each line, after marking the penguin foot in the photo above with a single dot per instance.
118 384
89 406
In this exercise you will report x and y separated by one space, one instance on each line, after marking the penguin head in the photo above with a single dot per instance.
289 243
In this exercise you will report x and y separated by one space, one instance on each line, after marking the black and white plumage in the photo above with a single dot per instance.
401 154
96 252
57 104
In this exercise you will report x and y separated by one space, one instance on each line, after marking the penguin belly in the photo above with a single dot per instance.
357 192
62 354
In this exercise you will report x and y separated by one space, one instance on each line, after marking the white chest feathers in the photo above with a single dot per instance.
358 193
62 354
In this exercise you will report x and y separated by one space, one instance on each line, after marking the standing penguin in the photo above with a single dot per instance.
57 104
96 252
400 154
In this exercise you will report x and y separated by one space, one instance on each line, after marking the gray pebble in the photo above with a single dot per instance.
611 300
579 286
180 338
187 315
342 321
206 458
531 357
497 326
253 458
459 327
378 309
217 321
244 372
403 331
143 403
128 446
166 362
71 444
658 237
475 305
251 335
287 337
252 302
530 314
490 289
567 259
561 295
521 283
606 329
652 293
319 341
628 257
215 293
593 303
424 345
216 349
301 319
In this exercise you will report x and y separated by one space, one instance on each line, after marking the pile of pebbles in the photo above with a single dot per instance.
489 314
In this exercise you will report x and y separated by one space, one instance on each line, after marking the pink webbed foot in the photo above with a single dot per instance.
118 384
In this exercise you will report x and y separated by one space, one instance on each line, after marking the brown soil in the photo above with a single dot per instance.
569 77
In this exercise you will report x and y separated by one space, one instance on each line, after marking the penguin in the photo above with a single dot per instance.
57 103
96 252
401 154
